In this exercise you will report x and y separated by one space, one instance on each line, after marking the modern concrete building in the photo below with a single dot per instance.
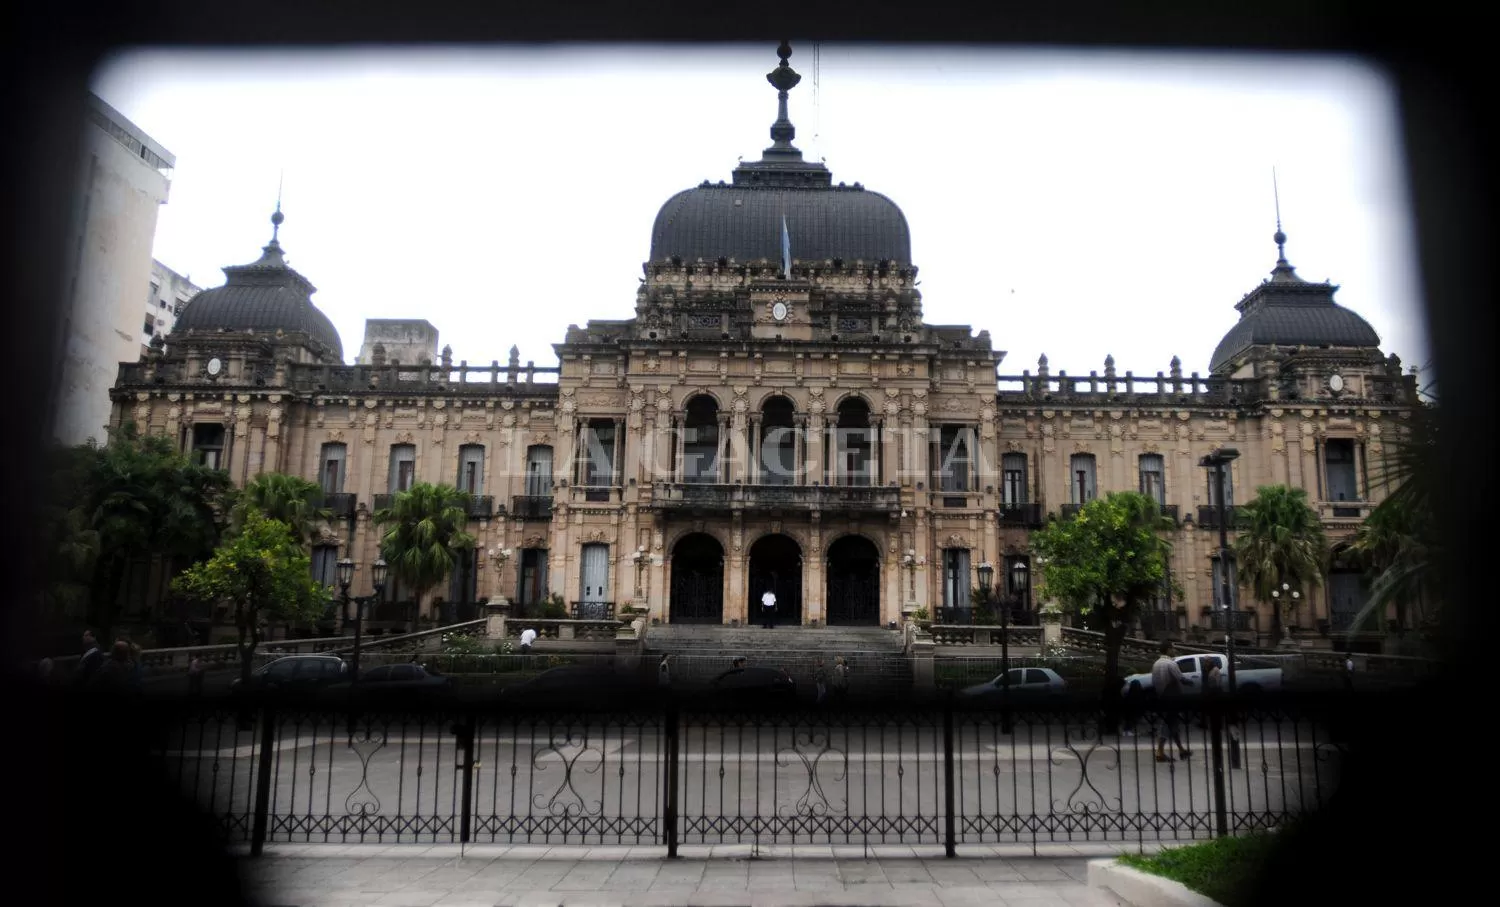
778 416
123 179
169 292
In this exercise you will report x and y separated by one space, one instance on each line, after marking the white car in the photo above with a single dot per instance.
1023 681
1247 680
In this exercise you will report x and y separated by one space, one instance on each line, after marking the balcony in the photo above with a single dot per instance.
531 506
1344 510
340 503
382 502
1068 511
593 610
1020 514
480 506
1172 512
849 499
1208 516
1238 621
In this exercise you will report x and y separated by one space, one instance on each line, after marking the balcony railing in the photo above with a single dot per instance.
1239 621
1344 510
870 498
1067 511
480 506
382 502
1160 623
532 506
593 610
1021 514
1172 512
1208 516
340 503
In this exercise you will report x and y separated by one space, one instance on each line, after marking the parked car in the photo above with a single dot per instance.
295 673
395 681
755 684
1023 683
1193 667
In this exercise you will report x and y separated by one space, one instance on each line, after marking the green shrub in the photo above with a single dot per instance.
1224 869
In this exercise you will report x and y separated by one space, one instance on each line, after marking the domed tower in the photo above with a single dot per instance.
264 302
1292 334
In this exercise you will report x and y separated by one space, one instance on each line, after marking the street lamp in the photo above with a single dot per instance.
1292 594
1219 462
357 603
986 584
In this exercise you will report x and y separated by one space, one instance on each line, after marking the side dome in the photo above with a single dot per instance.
744 222
1286 310
263 297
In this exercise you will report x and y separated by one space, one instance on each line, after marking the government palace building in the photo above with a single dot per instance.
777 415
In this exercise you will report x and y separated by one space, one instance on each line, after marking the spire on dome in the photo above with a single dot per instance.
782 163
1283 272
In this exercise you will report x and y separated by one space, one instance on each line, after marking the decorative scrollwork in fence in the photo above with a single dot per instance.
567 751
813 801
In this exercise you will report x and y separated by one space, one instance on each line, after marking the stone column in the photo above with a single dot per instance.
815 457
924 677
1051 615
752 473
495 617
616 464
679 444
877 437
799 444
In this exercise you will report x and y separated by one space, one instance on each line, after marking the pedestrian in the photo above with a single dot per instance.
1135 704
840 679
117 674
195 676
820 681
528 636
91 662
664 672
1349 671
768 610
1168 683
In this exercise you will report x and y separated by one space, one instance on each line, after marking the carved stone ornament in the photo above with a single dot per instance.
335 437
955 541
405 437
534 541
597 535
1013 445
472 437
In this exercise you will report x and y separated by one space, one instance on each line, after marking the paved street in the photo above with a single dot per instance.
321 876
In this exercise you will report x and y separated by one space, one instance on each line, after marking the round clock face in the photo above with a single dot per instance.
779 311
1335 383
215 366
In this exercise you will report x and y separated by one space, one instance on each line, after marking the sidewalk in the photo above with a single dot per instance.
303 875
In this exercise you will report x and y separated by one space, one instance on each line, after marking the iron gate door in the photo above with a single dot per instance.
854 596
697 592
593 603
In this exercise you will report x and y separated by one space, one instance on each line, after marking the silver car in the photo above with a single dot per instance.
1023 681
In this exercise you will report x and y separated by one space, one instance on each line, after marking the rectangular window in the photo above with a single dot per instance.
956 578
463 581
1154 478
538 470
155 291
208 445
533 576
1083 487
599 454
1234 591
331 475
1013 480
955 444
1343 480
1213 486
325 560
403 467
471 468
150 328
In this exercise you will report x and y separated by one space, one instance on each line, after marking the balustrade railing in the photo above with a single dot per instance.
879 498
531 506
1238 621
1208 516
1021 514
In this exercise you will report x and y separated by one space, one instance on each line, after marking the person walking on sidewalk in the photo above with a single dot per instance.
820 680
840 679
664 672
195 676
1168 683
768 610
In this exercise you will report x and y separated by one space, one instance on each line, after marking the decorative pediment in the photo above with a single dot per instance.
956 541
405 437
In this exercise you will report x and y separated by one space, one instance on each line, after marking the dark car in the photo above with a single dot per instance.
755 685
295 673
396 681
575 684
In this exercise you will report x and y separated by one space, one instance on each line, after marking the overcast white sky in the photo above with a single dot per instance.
1074 204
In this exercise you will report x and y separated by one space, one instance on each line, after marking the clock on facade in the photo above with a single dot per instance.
1335 382
779 311
215 366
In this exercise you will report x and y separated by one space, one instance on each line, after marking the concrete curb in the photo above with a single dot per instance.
1141 889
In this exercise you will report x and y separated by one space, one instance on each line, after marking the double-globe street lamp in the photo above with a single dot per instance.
357 603
986 585
1294 597
1219 462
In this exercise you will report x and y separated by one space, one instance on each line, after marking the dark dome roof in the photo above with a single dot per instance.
264 297
743 222
1289 311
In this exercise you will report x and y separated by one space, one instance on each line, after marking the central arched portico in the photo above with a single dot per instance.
853 597
775 565
697 580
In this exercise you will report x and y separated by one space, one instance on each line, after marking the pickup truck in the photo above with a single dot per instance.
1247 680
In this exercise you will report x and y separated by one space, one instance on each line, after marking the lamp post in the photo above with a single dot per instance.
1219 461
1294 597
346 579
1020 580
986 584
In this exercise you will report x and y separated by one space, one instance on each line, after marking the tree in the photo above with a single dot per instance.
1398 543
426 530
1106 562
1280 541
289 499
112 506
263 573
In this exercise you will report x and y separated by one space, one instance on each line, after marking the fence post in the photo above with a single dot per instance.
263 781
950 840
669 809
464 730
1221 804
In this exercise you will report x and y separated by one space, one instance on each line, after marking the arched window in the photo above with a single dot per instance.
778 443
853 444
700 443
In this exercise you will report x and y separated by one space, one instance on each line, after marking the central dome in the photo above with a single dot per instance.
744 222
781 204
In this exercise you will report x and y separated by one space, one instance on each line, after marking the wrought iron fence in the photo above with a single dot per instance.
670 772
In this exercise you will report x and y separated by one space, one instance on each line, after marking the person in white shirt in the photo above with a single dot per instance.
768 609
1167 682
528 636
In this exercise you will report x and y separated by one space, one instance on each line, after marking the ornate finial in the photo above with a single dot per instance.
1176 367
1109 365
515 355
1280 237
277 217
447 356
783 78
377 354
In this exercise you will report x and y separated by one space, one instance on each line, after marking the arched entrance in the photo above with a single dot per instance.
776 564
697 580
853 583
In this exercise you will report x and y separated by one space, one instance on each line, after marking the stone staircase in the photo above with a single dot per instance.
876 661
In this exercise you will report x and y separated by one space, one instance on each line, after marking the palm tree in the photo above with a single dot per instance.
426 531
1280 543
288 499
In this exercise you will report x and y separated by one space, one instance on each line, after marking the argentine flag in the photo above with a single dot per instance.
786 250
